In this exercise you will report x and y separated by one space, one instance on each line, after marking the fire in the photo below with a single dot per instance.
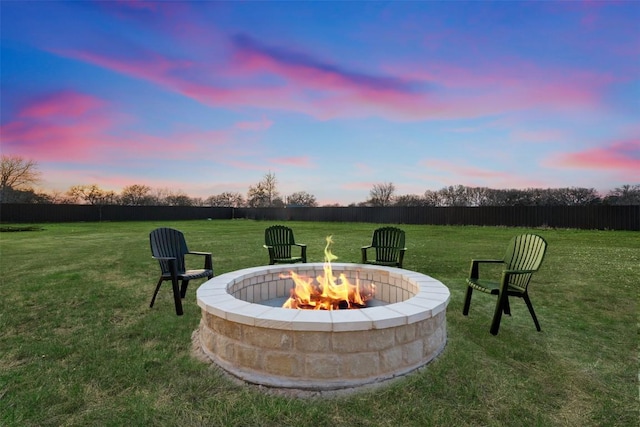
327 292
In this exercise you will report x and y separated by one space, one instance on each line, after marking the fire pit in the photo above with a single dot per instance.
321 350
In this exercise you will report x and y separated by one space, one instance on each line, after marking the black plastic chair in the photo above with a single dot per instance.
279 240
388 243
169 247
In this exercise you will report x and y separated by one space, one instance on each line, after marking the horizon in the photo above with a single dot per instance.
332 97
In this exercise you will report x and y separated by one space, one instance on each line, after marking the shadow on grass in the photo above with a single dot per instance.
9 228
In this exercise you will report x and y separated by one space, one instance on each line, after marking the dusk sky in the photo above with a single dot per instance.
331 97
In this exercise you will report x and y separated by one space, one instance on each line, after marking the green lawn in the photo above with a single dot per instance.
80 346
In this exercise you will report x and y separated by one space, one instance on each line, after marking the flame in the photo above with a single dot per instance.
327 292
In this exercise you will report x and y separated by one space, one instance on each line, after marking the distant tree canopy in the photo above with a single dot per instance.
302 199
136 195
625 195
17 175
91 194
226 200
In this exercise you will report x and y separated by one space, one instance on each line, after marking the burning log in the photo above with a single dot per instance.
328 293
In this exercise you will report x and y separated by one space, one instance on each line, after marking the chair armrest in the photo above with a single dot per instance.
518 271
401 257
474 272
364 253
164 258
300 244
303 252
208 261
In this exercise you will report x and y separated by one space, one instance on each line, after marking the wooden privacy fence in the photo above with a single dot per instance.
30 213
583 217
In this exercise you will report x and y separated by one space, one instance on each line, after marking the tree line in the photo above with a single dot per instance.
18 176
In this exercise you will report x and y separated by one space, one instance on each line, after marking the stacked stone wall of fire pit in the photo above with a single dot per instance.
318 349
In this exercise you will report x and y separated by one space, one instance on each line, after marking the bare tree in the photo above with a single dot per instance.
302 198
264 193
135 195
178 198
91 194
159 196
409 200
625 195
226 199
432 198
382 194
18 173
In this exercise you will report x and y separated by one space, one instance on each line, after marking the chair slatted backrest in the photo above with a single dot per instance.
168 242
525 252
281 239
387 242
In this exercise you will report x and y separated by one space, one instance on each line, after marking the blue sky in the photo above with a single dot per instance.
331 97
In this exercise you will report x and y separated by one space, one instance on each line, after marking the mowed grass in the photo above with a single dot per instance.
80 346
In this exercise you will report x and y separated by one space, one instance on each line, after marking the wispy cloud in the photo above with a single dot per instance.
461 173
299 162
61 126
620 157
262 124
75 127
275 77
313 72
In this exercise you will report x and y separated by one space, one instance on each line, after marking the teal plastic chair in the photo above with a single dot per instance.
523 257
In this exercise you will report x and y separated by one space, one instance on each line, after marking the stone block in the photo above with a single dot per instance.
361 365
362 341
283 363
323 366
406 333
391 359
268 338
247 356
311 342
412 352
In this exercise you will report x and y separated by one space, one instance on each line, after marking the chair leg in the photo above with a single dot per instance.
507 307
153 299
467 301
533 313
176 296
497 315
183 288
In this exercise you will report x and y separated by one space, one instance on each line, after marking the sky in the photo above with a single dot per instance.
332 97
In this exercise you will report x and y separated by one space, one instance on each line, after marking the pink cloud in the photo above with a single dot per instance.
63 126
300 162
620 156
247 165
540 135
257 57
460 173
61 105
263 124
76 127
305 84
358 185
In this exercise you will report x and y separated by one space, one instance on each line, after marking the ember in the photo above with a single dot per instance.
327 292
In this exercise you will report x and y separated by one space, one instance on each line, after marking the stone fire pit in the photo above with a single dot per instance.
318 350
